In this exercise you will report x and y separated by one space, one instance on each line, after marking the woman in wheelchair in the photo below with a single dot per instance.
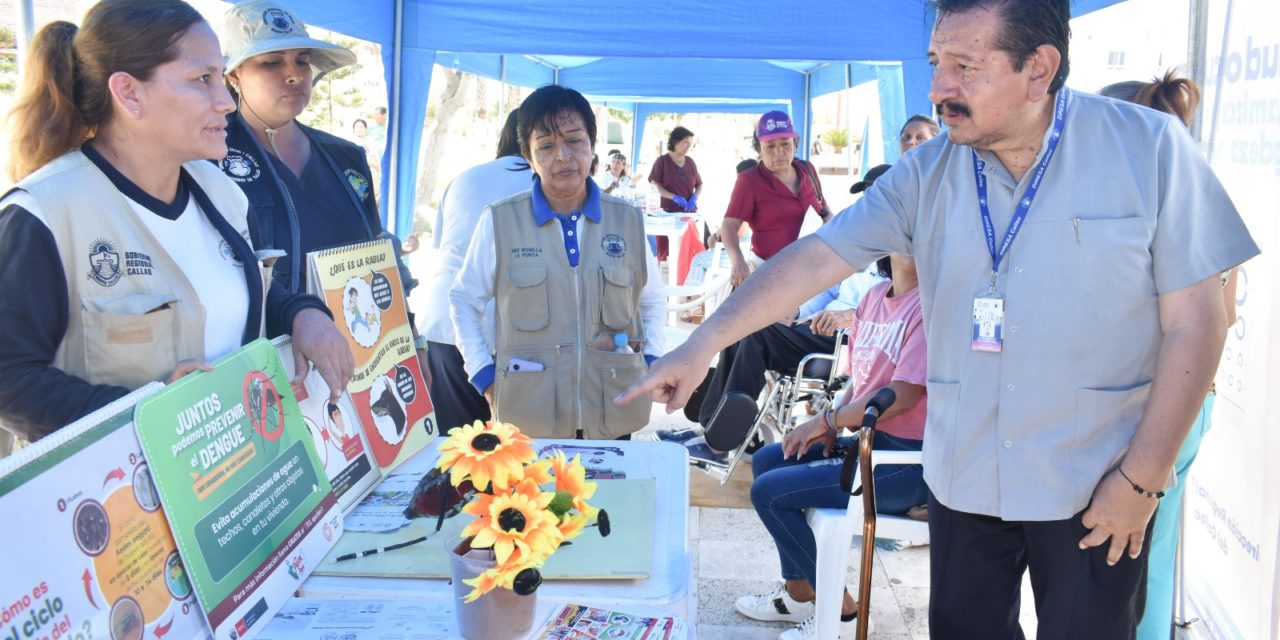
887 348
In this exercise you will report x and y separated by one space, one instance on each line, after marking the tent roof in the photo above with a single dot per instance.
690 52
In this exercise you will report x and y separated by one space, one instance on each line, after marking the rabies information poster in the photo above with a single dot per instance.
87 551
361 286
246 495
336 433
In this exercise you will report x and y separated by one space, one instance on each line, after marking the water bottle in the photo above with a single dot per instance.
620 343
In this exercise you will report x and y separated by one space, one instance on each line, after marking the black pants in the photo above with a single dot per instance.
777 347
457 403
976 566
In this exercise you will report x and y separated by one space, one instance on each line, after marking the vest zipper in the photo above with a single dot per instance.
580 343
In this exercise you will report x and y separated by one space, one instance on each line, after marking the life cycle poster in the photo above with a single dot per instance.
87 550
336 433
361 286
246 495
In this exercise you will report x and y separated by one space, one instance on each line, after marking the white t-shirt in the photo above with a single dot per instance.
207 261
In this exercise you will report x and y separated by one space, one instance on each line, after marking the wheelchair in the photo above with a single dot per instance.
788 399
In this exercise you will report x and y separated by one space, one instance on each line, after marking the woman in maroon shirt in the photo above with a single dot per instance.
675 175
773 197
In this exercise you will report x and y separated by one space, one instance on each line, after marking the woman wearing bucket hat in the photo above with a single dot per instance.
128 257
310 190
773 197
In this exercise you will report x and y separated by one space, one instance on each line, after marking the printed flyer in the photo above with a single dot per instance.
361 285
87 551
336 433
246 495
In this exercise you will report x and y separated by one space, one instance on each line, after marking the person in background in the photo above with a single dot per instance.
886 349
360 130
778 347
129 256
309 190
616 177
773 198
1178 97
675 174
456 401
579 303
1065 369
917 131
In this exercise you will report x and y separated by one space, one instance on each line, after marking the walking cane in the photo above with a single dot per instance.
875 407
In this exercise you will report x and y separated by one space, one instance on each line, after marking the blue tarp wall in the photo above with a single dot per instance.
739 55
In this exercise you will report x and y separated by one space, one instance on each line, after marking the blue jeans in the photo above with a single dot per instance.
783 489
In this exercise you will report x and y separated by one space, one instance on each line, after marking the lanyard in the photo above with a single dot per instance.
1019 214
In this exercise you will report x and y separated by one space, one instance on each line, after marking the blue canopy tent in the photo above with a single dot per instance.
679 52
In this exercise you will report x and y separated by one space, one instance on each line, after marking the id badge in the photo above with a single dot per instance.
988 323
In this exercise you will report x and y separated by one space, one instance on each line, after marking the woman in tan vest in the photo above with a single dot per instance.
579 306
128 255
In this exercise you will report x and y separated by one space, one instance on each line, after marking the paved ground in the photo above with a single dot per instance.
733 555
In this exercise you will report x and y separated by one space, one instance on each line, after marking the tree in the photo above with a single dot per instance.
336 95
452 99
837 138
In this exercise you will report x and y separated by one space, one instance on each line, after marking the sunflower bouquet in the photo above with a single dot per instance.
526 507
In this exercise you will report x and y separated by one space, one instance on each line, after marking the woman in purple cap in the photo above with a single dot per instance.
773 197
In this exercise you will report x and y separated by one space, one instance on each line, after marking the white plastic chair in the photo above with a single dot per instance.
833 529
710 293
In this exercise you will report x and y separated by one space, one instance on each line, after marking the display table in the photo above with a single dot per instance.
673 226
669 586
310 618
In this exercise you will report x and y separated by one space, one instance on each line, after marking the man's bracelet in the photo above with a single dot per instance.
1136 487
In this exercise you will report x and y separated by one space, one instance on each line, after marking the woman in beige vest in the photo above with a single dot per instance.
579 304
127 254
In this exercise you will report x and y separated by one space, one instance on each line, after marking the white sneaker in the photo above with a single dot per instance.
809 629
775 606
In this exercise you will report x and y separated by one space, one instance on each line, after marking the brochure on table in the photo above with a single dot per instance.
361 286
625 554
244 490
336 433
87 550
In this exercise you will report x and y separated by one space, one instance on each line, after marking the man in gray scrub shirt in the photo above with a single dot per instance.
1061 382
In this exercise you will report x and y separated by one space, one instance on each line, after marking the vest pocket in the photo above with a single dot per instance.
526 399
608 374
528 306
617 304
129 340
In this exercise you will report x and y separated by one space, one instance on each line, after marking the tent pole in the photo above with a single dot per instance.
808 115
392 197
502 75
25 26
1197 56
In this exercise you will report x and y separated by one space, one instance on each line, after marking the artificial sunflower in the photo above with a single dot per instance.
522 578
517 525
571 477
487 454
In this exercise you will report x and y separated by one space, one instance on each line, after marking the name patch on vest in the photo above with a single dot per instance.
614 245
240 166
526 252
137 264
104 263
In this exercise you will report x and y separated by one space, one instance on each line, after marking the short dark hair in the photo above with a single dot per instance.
541 108
930 122
747 165
1025 25
884 267
508 145
677 134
